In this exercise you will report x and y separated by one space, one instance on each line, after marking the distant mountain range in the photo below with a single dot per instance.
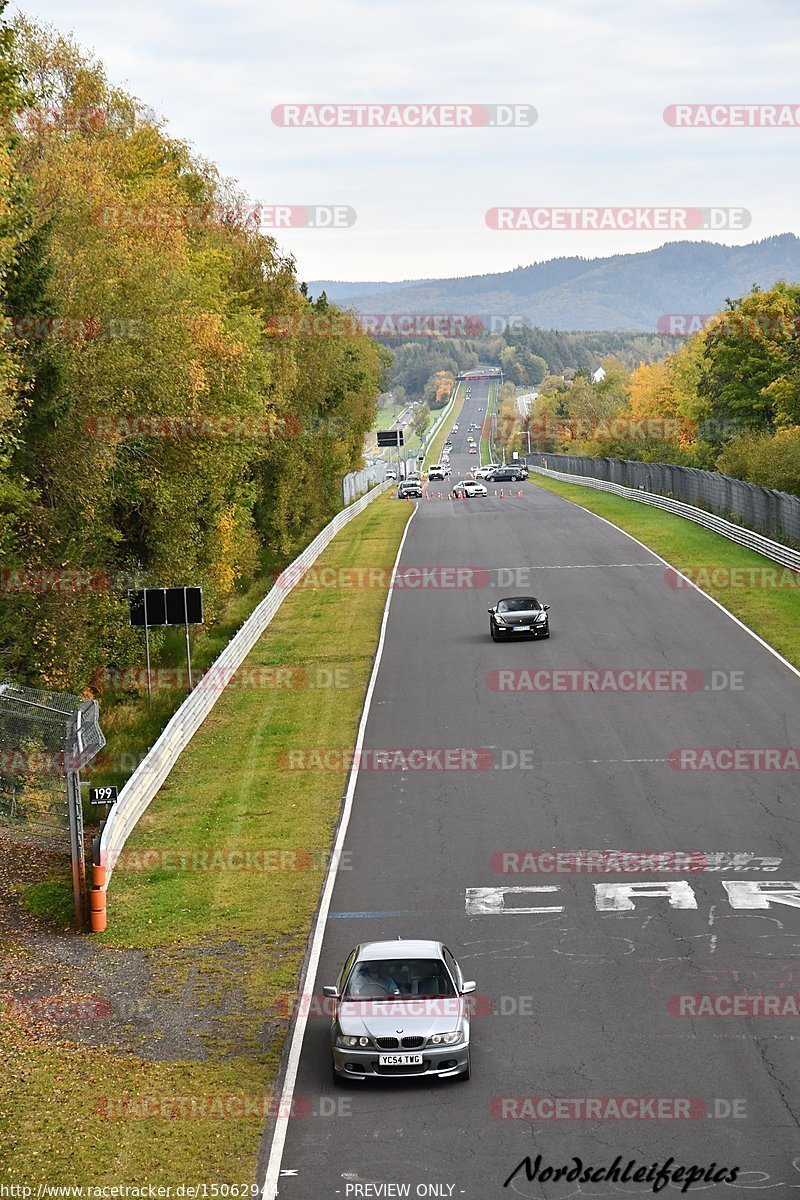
625 291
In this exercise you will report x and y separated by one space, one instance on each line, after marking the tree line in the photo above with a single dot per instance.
727 398
161 419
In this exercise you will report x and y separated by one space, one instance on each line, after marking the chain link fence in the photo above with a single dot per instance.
762 509
45 739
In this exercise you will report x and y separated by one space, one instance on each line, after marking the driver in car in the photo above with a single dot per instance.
371 979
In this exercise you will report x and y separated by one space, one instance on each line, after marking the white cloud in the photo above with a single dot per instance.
599 75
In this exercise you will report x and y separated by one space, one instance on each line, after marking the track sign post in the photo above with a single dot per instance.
158 607
392 437
103 795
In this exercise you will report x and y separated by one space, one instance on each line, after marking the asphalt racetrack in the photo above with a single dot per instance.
592 999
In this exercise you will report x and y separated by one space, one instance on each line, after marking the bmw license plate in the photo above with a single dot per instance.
400 1060
522 629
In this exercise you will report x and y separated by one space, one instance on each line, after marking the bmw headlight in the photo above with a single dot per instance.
542 617
445 1039
347 1043
499 620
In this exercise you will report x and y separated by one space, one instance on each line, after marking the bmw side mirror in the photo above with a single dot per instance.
332 992
491 610
468 987
545 607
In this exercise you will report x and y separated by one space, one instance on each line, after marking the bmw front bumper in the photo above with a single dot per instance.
363 1063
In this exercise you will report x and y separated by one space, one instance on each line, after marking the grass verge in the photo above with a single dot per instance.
758 591
485 447
210 958
435 448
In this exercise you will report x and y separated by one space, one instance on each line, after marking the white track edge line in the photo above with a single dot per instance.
270 1189
776 653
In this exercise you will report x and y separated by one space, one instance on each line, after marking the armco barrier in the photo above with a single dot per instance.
735 533
154 768
440 420
358 482
765 510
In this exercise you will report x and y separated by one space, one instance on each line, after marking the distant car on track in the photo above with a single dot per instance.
506 474
408 489
518 616
400 1011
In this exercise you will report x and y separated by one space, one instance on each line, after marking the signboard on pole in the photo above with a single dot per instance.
166 606
391 437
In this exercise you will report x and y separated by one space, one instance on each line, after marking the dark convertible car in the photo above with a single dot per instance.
519 616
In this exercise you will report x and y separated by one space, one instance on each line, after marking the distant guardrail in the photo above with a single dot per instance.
358 482
785 555
440 420
154 768
765 510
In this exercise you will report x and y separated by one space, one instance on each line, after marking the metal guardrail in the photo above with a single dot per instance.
437 425
768 511
154 768
358 482
785 555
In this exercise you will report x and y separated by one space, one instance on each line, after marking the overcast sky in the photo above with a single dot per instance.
598 72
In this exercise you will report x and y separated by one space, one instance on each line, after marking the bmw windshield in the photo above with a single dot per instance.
405 979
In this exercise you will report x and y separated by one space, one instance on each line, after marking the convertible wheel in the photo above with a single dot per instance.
336 1080
464 1075
495 638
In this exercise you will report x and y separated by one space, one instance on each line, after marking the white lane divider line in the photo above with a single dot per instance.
580 762
573 566
270 1189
